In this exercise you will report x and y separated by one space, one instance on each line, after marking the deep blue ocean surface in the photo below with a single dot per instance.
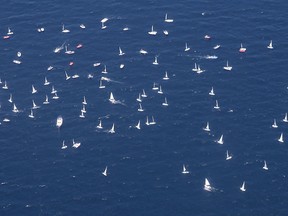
144 166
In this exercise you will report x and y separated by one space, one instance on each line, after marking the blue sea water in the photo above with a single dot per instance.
144 166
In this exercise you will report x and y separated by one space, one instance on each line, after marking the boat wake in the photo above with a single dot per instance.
110 80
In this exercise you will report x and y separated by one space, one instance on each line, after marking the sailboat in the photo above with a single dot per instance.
46 81
112 130
75 144
10 98
186 48
121 52
165 32
281 139
195 68
166 76
33 90
265 167
99 126
184 170
84 101
63 145
103 21
207 128
10 32
207 185
82 26
53 90
34 105
165 103
140 109
152 32
270 46
103 26
139 98
156 61
242 49
46 100
101 86
138 126
55 96
111 99
228 157
31 114
144 95
227 67
216 105
243 188
168 20
220 141
212 93
285 118
105 70
67 51
160 90
67 77
199 70
15 110
5 86
154 87
65 30
274 125
105 172
59 121
153 122
82 114
147 121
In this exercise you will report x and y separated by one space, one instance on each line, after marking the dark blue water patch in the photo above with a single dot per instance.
144 166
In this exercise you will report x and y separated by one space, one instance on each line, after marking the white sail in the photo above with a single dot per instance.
75 144
165 103
207 128
227 67
112 99
105 173
166 76
99 126
112 130
167 19
121 52
285 118
228 157
274 125
140 109
184 170
281 139
265 167
212 93
207 185
270 46
243 188
138 126
220 141
152 32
